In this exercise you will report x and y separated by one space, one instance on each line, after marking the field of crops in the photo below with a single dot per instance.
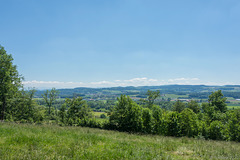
28 141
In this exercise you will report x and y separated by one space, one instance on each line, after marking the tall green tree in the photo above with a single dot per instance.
126 115
218 101
188 123
147 120
49 98
179 106
23 106
173 126
10 81
62 112
193 105
152 96
77 109
159 120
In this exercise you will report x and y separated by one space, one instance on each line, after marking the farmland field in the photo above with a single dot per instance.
233 107
98 114
174 96
98 118
28 141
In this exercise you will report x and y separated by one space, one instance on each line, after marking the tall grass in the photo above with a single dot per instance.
27 141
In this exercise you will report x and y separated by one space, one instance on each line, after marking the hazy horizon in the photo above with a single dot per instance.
42 85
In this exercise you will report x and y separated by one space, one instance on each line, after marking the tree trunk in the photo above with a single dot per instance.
3 108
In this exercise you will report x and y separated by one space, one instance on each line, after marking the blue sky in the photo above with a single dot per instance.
66 44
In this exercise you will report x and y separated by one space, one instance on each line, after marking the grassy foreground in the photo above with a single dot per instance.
26 141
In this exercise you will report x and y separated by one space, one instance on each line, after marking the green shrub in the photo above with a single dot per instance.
216 130
103 116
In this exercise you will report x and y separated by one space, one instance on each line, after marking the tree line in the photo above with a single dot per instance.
210 120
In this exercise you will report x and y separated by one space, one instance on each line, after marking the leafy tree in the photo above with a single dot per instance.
49 98
167 105
151 97
30 103
147 120
24 106
62 113
159 123
193 105
179 106
126 115
216 130
39 113
109 104
77 109
173 126
217 100
188 123
233 117
103 116
208 109
10 81
216 107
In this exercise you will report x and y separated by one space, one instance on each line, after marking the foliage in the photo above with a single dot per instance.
103 116
62 113
159 121
234 124
77 109
173 126
23 106
216 130
151 97
126 115
49 98
147 120
188 123
194 106
178 106
217 100
10 82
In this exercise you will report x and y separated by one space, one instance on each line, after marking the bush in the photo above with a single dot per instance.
103 116
173 127
188 123
126 115
147 120
216 130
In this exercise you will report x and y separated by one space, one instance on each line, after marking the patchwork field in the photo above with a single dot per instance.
28 141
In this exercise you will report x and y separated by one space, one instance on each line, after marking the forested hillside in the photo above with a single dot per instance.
193 91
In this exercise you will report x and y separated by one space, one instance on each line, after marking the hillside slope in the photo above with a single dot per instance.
25 141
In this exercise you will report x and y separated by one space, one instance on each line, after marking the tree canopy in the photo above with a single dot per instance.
10 81
217 100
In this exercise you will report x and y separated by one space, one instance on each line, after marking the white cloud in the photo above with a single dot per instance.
50 84
130 82
183 79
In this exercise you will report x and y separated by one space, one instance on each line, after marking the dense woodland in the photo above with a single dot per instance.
208 120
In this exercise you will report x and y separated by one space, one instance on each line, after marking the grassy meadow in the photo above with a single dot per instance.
28 141
98 114
98 118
